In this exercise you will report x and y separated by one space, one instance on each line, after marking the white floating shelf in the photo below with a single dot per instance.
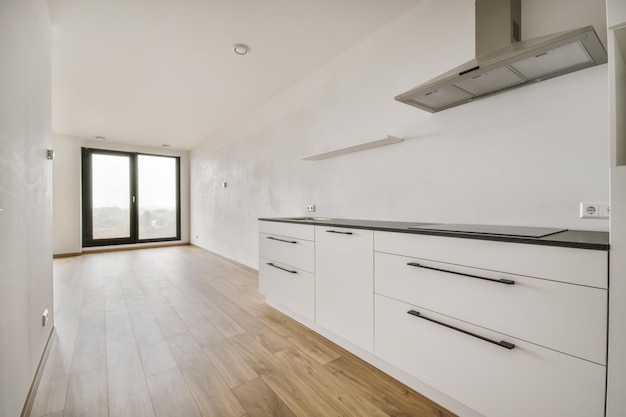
389 140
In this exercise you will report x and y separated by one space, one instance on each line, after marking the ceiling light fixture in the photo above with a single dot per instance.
100 138
241 49
165 145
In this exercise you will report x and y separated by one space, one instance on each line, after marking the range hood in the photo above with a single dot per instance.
513 66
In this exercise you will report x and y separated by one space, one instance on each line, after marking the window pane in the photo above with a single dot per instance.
156 196
111 190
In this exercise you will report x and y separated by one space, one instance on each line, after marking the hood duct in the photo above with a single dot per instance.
509 67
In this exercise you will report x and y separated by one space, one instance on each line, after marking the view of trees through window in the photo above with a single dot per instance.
110 196
114 196
156 180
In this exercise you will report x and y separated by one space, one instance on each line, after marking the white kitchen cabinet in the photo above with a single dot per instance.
287 266
298 231
528 380
288 286
344 284
550 302
289 250
564 317
501 328
571 265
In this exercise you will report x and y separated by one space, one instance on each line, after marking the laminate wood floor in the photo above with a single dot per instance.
180 332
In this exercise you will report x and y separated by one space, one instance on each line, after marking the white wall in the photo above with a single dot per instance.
524 157
67 188
25 196
66 196
543 17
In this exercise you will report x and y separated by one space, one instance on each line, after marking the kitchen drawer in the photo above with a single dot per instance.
299 231
565 317
290 287
577 266
527 380
292 251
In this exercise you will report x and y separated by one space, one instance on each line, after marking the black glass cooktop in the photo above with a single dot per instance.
518 231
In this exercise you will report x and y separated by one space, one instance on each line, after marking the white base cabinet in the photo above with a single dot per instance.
344 283
528 380
567 318
504 329
472 300
291 287
287 266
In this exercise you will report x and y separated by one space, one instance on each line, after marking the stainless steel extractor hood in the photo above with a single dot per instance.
510 67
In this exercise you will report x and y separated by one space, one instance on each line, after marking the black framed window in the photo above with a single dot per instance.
129 197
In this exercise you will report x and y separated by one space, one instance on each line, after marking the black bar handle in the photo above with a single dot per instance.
335 231
501 343
284 269
499 281
281 240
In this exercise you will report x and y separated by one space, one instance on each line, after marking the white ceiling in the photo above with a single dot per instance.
153 72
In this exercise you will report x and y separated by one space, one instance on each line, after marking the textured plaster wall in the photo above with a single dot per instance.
525 157
67 188
25 197
66 196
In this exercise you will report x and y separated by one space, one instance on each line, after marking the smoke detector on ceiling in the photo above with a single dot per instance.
241 49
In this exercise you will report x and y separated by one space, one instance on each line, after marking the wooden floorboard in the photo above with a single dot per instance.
260 401
178 331
87 394
171 396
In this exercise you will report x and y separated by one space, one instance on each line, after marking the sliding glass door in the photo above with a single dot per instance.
129 198
157 186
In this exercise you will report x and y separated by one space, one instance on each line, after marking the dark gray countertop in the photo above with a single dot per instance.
581 239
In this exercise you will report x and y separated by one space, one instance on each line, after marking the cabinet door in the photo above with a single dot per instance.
572 265
564 317
288 286
288 250
344 283
525 381
298 231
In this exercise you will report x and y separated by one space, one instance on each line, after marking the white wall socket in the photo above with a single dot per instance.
310 208
593 210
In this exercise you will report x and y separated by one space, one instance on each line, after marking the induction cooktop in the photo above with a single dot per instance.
484 229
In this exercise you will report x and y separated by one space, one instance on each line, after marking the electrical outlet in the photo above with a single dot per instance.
593 210
589 210
310 208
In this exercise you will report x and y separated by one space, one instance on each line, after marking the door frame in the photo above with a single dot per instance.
87 199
